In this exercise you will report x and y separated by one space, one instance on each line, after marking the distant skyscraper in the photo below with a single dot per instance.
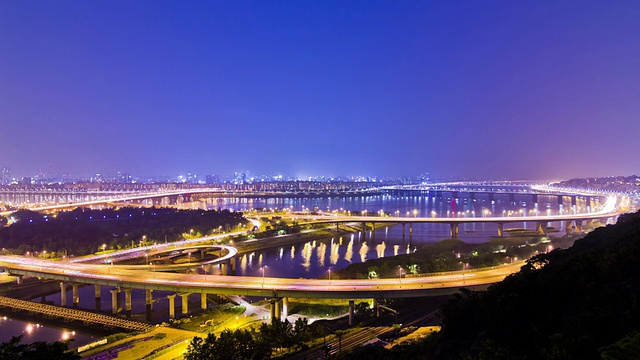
211 180
5 176
126 178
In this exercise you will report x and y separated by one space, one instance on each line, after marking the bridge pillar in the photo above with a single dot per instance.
337 227
351 312
410 229
185 303
223 268
373 231
273 309
97 296
76 295
278 309
579 226
403 226
114 300
560 199
376 307
285 307
512 198
148 300
500 229
364 231
201 254
63 294
203 301
19 279
541 228
127 302
172 306
534 198
568 226
573 200
453 230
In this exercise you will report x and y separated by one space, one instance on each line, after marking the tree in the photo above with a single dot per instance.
14 349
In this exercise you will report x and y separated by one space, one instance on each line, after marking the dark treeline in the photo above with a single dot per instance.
256 343
14 349
578 303
84 231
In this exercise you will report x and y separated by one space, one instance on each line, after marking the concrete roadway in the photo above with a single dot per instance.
256 286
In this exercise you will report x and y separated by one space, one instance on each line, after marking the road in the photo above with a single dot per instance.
255 286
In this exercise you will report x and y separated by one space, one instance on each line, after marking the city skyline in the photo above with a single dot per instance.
479 90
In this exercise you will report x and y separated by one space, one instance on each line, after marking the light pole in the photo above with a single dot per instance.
263 276
400 275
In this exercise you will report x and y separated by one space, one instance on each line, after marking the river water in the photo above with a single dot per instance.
316 258
312 259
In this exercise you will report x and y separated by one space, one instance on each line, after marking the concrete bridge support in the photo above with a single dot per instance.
453 230
351 312
403 227
223 268
568 226
185 303
272 309
579 226
285 307
541 228
500 229
364 231
19 279
114 300
376 307
172 306
278 309
97 296
203 301
127 302
410 229
148 300
76 295
63 294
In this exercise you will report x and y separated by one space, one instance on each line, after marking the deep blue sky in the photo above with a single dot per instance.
482 89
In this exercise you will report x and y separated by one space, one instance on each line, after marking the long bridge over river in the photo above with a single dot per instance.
125 279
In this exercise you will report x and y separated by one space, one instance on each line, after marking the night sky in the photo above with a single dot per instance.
477 89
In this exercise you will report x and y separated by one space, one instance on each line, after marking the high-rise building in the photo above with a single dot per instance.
5 176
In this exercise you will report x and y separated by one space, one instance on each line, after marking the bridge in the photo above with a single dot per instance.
278 289
608 211
73 314
125 279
